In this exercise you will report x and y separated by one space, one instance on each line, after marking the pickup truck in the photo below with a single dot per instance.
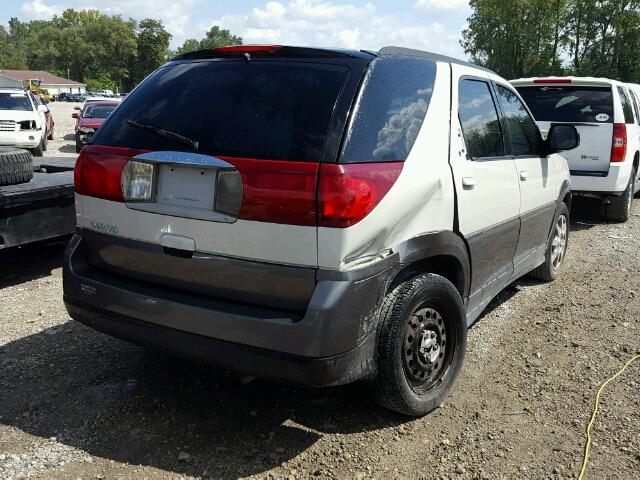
36 198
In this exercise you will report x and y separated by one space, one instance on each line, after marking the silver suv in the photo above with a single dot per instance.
317 216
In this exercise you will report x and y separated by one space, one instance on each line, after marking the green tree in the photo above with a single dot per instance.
152 48
215 37
516 37
11 57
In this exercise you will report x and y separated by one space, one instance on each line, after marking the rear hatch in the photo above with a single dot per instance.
213 163
588 107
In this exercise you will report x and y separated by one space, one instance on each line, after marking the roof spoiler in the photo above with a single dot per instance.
249 51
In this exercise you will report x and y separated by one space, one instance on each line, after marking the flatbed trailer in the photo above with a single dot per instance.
42 208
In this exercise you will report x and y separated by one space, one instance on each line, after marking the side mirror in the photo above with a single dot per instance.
76 108
562 137
74 115
42 108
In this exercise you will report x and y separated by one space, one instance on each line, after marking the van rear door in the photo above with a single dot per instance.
218 158
588 107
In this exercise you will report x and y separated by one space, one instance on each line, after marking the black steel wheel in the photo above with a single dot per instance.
422 339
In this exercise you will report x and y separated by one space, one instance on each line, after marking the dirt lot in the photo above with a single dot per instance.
63 143
77 404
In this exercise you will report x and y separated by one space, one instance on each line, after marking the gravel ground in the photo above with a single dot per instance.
78 404
63 143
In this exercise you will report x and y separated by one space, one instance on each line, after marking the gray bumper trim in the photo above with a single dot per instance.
340 315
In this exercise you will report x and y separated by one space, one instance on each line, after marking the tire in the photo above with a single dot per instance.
620 207
45 143
415 373
78 144
556 251
39 150
16 166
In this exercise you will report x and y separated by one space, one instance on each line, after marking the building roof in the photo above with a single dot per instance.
46 77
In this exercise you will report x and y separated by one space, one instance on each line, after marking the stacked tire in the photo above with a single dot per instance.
16 166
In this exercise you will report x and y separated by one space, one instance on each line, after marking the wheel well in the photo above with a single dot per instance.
446 266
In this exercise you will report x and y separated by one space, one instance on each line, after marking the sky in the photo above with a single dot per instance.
433 25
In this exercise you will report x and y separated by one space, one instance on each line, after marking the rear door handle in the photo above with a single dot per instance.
469 182
524 175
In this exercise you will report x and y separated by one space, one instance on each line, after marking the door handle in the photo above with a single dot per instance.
524 175
469 182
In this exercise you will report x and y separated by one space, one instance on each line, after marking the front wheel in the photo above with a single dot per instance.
422 338
39 150
556 248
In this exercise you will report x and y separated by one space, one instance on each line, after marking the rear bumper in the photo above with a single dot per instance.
612 183
330 343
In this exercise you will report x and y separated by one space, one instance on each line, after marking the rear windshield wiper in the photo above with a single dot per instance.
161 132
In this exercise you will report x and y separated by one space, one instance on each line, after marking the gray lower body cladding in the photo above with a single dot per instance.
329 342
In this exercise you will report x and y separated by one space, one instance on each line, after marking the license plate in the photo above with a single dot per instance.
188 188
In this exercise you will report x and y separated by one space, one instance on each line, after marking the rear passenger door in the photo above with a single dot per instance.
486 182
539 180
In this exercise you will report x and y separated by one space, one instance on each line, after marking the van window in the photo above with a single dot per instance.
522 130
567 103
634 102
394 100
626 106
479 119
263 109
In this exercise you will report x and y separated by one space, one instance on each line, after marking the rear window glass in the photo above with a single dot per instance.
258 109
557 103
394 101
15 101
626 106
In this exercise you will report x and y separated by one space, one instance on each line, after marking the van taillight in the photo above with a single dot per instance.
619 143
347 193
98 171
277 191
274 191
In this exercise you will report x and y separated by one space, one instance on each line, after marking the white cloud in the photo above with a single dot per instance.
442 5
330 24
37 10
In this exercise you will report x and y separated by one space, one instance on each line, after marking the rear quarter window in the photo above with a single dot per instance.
627 109
568 103
393 103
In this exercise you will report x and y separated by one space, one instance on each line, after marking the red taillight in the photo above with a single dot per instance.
349 192
98 171
277 191
246 49
552 80
619 143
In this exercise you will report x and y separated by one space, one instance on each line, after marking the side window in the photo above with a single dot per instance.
626 106
634 100
479 120
522 130
394 102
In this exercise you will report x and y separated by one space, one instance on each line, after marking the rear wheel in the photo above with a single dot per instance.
556 249
422 339
619 208
16 166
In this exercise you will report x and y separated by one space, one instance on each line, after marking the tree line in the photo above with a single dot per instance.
522 38
103 51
